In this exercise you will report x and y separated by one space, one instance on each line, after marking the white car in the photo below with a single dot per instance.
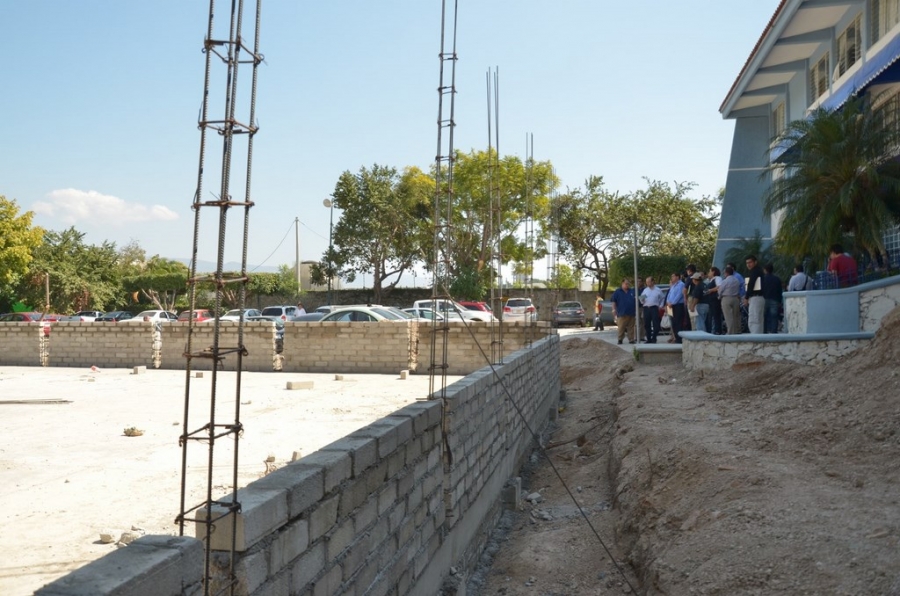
454 310
519 309
235 314
426 314
153 316
363 314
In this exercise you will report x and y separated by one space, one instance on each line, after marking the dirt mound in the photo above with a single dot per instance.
769 478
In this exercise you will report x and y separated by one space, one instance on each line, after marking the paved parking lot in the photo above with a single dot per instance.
67 470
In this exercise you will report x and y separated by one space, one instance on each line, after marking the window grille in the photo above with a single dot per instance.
885 15
849 44
818 78
778 121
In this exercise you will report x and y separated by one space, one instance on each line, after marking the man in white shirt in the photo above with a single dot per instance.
800 281
652 299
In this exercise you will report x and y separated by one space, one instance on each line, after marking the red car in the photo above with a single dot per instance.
473 305
24 317
200 314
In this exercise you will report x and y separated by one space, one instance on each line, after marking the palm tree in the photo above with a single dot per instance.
841 177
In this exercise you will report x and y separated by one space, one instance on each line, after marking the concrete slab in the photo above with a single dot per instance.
67 471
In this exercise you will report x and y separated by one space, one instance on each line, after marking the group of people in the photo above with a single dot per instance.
708 302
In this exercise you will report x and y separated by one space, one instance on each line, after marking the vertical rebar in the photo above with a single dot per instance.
206 514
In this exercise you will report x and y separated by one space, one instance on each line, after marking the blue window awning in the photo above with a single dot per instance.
881 68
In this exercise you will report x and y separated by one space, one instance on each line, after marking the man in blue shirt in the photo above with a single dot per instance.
675 301
624 311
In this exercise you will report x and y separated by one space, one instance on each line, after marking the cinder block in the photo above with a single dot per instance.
262 512
336 465
363 451
139 370
323 518
288 545
299 385
305 486
307 567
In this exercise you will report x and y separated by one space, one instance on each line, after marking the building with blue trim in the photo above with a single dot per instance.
812 53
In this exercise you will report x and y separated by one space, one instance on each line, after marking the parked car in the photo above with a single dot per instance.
425 313
519 309
363 314
200 315
84 315
153 316
28 317
454 309
283 312
568 313
310 317
279 324
473 305
235 314
114 317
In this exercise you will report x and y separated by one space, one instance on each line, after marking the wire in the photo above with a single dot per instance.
276 248
543 451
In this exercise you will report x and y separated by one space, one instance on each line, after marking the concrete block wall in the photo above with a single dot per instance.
467 340
259 340
350 347
20 344
150 566
388 509
107 345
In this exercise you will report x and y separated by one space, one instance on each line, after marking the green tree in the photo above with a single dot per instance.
381 216
82 276
565 278
523 189
840 176
18 241
596 226
158 280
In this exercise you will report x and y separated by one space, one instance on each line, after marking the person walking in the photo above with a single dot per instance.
598 311
772 291
624 311
730 294
756 303
653 300
675 301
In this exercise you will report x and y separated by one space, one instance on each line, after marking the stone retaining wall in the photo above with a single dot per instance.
702 351
388 509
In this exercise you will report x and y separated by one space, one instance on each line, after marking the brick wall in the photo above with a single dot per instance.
467 341
20 344
259 340
107 345
387 509
350 347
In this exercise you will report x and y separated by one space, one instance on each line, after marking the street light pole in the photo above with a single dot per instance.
330 206
297 234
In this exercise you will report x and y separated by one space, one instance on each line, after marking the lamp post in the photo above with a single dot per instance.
330 206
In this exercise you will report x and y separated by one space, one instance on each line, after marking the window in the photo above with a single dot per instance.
778 122
849 46
818 78
885 14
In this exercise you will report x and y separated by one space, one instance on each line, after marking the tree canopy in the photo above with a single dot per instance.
18 241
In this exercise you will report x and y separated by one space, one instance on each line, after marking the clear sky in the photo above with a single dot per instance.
100 102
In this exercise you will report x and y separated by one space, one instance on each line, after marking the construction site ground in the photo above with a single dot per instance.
69 472
762 478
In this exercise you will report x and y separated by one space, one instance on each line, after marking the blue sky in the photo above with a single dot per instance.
101 99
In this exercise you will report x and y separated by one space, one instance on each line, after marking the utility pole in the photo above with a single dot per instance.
297 233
